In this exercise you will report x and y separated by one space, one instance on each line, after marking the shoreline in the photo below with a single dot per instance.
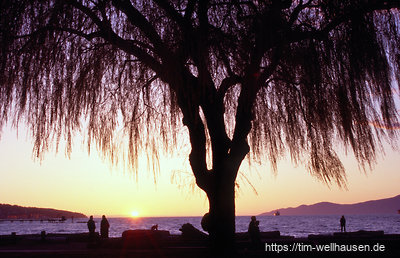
147 243
288 225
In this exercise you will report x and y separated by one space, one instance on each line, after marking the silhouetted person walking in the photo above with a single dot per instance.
342 224
254 231
92 227
104 226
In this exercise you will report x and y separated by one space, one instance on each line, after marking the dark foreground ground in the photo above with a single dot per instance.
145 243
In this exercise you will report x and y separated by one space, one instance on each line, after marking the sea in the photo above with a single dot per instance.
297 226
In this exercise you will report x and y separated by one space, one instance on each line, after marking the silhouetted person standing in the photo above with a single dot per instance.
92 227
254 231
104 226
342 224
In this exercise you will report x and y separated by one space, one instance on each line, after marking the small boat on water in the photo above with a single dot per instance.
277 213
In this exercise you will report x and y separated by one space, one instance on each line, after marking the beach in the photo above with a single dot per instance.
147 243
282 236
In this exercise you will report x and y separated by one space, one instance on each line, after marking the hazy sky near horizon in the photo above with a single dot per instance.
90 185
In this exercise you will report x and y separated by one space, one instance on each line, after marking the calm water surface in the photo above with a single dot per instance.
298 226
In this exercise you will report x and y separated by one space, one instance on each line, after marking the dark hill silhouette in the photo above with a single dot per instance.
18 212
382 206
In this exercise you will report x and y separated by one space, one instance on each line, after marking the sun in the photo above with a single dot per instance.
134 214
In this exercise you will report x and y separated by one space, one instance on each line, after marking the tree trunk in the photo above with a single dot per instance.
222 218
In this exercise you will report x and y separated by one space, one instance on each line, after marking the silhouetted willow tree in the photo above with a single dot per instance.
271 77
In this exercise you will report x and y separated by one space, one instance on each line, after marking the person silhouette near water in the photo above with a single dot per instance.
342 224
92 227
254 231
104 227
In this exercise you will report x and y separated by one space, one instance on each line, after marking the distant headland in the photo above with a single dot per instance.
18 212
382 206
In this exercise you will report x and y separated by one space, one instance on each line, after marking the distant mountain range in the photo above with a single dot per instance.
17 212
382 206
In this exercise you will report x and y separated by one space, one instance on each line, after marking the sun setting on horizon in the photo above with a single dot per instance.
134 214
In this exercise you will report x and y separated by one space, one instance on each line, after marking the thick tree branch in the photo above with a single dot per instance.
227 83
295 14
197 156
189 106
137 19
87 36
251 84
129 46
348 14
189 10
203 17
211 104
172 13
86 10
220 142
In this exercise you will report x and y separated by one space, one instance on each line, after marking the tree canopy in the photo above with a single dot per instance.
290 76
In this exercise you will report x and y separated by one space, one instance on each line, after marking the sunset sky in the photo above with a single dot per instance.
99 65
90 185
